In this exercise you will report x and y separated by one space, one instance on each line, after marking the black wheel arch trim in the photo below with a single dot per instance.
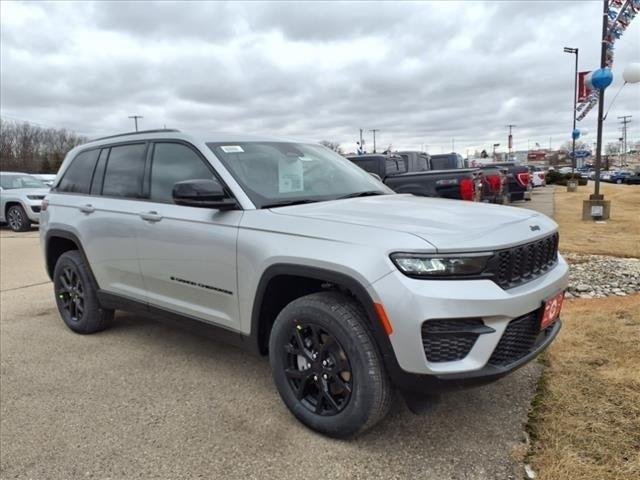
67 235
330 276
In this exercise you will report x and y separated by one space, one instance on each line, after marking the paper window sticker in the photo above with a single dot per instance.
232 149
290 176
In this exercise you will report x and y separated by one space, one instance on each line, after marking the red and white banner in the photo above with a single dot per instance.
584 87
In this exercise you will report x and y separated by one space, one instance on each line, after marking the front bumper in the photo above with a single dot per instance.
410 303
32 209
429 384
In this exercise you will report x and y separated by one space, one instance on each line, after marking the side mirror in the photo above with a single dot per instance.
202 193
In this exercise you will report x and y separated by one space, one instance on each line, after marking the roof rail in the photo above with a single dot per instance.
158 130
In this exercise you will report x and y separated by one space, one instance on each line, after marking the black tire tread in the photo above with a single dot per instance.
349 311
96 318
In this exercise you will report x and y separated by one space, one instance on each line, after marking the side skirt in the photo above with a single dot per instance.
184 322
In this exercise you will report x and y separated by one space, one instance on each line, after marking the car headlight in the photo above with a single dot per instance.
427 265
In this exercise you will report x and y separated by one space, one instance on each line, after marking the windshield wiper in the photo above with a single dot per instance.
366 193
287 203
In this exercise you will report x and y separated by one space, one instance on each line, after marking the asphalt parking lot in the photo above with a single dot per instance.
145 400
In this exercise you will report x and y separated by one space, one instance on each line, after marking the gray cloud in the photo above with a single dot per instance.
423 73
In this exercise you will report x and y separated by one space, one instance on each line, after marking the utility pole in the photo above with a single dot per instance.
625 120
374 130
135 119
510 139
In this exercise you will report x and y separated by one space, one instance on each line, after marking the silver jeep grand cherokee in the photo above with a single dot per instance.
291 251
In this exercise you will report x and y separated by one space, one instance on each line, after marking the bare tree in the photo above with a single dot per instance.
612 148
568 145
335 146
30 148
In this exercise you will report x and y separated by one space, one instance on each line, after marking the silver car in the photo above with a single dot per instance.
20 198
289 250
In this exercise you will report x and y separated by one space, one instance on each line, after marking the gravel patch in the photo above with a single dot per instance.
597 276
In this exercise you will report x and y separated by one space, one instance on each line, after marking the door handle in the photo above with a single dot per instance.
151 216
88 208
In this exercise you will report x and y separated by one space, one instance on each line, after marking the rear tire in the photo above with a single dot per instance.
17 219
76 295
349 394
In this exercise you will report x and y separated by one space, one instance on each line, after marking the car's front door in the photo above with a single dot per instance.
187 254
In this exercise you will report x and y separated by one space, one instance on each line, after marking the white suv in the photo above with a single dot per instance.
20 199
289 250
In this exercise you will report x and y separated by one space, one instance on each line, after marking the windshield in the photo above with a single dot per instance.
273 173
10 182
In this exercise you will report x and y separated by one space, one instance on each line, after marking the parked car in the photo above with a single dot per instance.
518 181
291 251
565 170
618 177
494 184
20 198
633 179
46 178
459 184
537 176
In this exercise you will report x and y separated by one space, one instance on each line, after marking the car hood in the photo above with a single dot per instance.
448 225
30 191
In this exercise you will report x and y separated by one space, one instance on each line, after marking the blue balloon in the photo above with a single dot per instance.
601 78
575 134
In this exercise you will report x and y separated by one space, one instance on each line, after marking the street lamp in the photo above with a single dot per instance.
574 132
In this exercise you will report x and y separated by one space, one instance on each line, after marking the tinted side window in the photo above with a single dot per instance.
173 163
422 164
77 178
370 166
98 175
125 171
395 165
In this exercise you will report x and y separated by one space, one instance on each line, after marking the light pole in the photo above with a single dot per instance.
374 130
574 132
135 119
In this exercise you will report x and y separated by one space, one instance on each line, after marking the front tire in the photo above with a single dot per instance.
76 295
17 219
326 365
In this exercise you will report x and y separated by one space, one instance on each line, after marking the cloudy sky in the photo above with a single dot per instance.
422 73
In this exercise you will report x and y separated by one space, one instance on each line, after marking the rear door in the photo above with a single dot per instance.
100 193
187 254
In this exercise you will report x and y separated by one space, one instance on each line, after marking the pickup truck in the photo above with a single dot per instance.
494 184
518 180
394 171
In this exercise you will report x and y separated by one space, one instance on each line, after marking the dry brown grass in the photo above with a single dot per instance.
586 418
619 236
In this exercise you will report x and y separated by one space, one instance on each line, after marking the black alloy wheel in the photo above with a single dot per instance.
326 365
76 295
318 370
70 291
